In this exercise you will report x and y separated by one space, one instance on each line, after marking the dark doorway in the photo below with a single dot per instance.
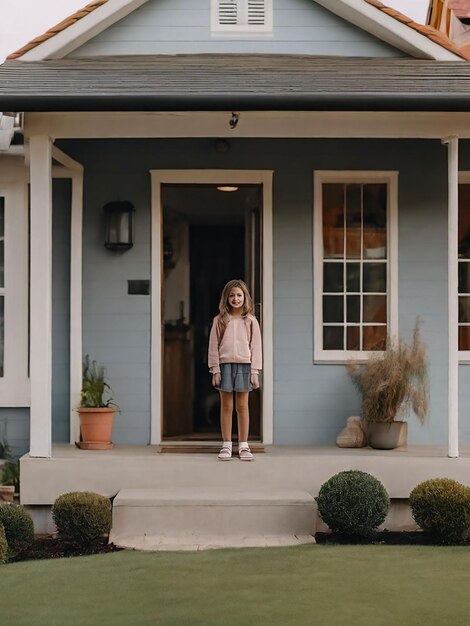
209 237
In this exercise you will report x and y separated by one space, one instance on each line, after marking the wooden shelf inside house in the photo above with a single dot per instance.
177 403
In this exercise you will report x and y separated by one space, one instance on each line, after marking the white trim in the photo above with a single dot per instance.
260 177
65 160
253 124
41 297
14 385
13 169
15 151
242 28
388 29
453 303
74 36
368 176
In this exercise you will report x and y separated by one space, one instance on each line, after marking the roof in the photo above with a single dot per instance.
234 82
69 21
429 32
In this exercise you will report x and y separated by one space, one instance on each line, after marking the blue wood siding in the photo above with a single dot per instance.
311 402
61 198
183 27
116 326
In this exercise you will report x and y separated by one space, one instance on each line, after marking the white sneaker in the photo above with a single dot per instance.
225 454
245 454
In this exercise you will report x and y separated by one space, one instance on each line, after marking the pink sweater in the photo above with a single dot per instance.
240 343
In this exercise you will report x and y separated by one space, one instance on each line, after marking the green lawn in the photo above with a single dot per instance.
321 585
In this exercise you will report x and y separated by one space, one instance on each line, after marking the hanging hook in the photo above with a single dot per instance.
234 120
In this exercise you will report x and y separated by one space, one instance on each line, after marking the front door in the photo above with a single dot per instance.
211 234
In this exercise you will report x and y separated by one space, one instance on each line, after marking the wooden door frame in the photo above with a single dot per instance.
209 177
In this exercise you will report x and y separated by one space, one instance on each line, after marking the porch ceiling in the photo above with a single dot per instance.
234 82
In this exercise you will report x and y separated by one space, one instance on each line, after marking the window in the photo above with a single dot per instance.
464 266
355 241
14 384
2 287
241 16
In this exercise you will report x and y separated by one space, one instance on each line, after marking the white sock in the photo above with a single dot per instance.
227 444
243 444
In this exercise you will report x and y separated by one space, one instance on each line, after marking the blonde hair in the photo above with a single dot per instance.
224 308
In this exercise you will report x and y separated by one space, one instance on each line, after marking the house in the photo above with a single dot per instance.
340 129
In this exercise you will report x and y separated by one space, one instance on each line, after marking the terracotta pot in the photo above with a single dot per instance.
387 435
7 493
96 425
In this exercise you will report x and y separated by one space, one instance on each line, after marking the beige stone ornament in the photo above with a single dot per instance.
353 434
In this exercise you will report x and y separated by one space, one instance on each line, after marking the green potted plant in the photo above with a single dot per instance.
9 474
96 410
391 383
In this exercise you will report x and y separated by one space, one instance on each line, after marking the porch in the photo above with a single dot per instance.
288 468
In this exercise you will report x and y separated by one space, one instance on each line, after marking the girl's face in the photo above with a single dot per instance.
236 298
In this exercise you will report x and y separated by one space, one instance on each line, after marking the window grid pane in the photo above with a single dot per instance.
2 242
2 335
360 249
464 266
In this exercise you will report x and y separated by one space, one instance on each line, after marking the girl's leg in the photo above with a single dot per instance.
243 415
226 410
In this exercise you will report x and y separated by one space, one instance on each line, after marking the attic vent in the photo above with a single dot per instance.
241 16
228 13
256 14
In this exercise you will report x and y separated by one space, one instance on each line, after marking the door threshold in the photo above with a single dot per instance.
202 447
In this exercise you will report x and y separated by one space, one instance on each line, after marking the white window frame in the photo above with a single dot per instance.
14 385
242 29
390 178
464 355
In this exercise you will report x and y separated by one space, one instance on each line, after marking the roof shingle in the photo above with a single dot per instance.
232 82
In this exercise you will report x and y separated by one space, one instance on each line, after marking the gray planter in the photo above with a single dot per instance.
387 435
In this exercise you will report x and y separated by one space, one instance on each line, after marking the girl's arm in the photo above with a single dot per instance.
213 353
256 350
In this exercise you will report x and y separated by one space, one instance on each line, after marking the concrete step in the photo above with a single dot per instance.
180 518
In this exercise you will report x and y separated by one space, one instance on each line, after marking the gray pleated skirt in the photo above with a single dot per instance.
235 377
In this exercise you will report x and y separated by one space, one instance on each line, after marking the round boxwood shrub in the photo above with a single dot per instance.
18 527
82 516
3 545
353 503
441 506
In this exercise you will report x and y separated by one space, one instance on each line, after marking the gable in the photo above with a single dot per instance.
184 27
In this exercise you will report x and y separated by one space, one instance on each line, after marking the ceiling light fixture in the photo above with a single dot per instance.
227 188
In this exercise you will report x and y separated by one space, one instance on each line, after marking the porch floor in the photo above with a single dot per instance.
290 467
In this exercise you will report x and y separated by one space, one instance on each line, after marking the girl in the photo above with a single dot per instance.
235 361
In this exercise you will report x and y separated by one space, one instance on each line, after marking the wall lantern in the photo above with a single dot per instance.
119 225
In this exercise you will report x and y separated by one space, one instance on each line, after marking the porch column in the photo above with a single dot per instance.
452 283
41 297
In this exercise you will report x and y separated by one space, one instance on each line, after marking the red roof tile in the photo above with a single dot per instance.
69 21
428 31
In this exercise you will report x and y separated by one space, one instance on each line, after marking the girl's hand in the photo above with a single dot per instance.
254 379
216 380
